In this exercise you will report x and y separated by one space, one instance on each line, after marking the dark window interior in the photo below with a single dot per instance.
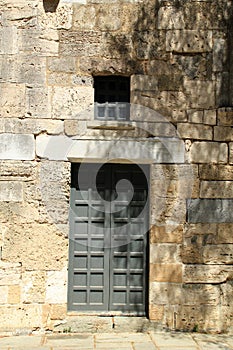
112 97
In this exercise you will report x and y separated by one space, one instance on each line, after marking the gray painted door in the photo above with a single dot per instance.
108 238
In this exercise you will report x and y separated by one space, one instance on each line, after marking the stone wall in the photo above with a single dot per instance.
178 55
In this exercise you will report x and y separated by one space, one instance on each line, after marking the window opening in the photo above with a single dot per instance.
112 98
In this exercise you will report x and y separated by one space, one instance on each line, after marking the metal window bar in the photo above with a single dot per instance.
112 111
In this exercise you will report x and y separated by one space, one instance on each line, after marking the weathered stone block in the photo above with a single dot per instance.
210 117
60 79
76 43
183 294
216 189
105 15
32 126
209 152
166 273
231 152
9 40
207 273
26 317
61 64
164 253
56 287
3 294
221 254
156 312
219 54
195 116
53 147
166 234
14 294
200 94
33 290
170 17
12 101
10 273
59 19
36 246
84 17
38 102
225 234
210 210
216 172
46 42
170 82
223 133
17 146
191 41
72 103
11 191
141 82
225 116
58 312
195 131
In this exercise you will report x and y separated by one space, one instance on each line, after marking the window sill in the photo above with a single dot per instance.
110 125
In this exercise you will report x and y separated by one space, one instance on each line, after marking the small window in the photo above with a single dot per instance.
112 98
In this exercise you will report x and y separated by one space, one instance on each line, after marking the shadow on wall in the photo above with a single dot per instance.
50 5
226 89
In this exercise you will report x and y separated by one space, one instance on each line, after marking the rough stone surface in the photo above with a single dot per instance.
17 146
210 210
209 152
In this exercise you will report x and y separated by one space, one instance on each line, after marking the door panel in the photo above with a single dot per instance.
108 238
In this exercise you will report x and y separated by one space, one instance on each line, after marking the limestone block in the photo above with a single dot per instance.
195 116
9 40
59 19
166 273
170 17
225 233
166 234
216 189
210 117
60 79
206 317
14 294
148 45
84 17
156 312
82 80
209 152
12 102
21 15
53 147
200 94
206 273
46 42
17 146
33 126
218 254
122 65
55 171
58 311
18 170
223 133
24 317
191 41
76 43
61 64
36 246
225 116
38 102
216 172
105 15
69 103
219 54
33 286
3 294
195 131
210 210
231 152
170 82
19 212
200 229
141 82
197 66
164 253
163 129
56 287
11 191
183 294
10 273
